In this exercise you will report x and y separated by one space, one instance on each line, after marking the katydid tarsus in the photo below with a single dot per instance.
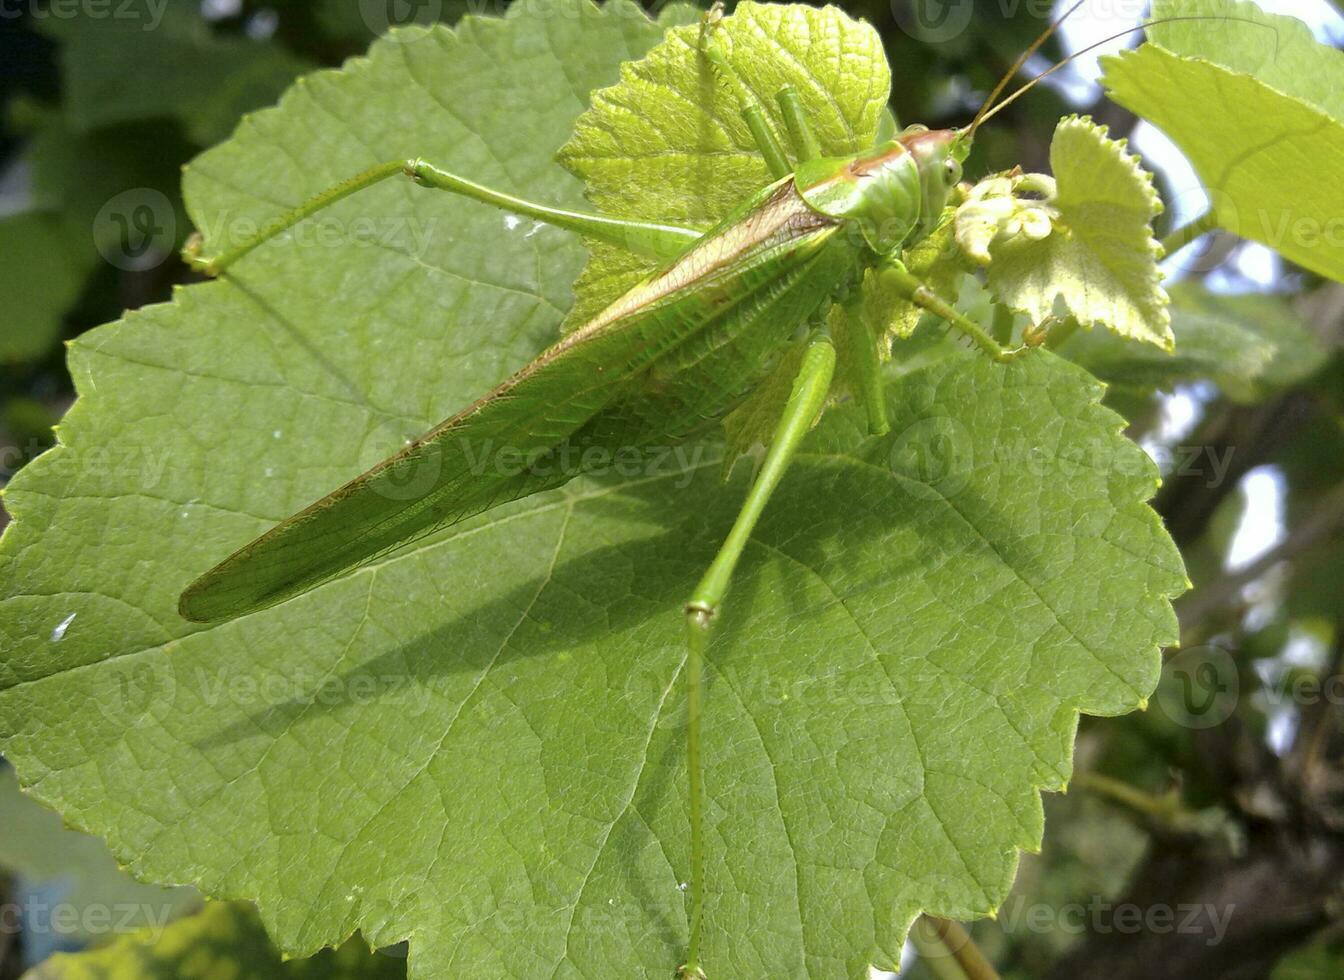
661 363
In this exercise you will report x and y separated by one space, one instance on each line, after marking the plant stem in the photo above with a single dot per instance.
948 950
1187 233
1121 792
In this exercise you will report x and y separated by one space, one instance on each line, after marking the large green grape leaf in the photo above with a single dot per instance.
668 142
223 940
1283 54
476 745
1259 116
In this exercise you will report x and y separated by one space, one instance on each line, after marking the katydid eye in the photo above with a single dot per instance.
953 170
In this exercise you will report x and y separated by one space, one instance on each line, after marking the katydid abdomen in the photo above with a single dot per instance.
674 353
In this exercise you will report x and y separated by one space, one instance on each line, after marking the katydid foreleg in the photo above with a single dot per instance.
762 133
805 404
805 143
909 286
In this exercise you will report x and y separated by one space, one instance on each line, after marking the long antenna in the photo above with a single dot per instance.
1017 65
986 114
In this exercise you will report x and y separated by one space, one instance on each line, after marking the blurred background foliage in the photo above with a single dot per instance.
1224 800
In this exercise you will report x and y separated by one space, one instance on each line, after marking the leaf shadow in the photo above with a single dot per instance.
643 583
801 529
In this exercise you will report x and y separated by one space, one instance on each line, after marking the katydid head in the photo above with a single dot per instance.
939 155
890 193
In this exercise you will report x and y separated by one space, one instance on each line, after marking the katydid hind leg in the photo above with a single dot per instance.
804 406
659 242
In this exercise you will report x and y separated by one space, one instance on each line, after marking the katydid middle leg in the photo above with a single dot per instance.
804 406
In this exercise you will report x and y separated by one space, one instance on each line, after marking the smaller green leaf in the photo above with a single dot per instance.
223 940
1295 353
1257 109
1100 259
668 143
1206 347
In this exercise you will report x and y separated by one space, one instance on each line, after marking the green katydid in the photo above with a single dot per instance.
660 364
